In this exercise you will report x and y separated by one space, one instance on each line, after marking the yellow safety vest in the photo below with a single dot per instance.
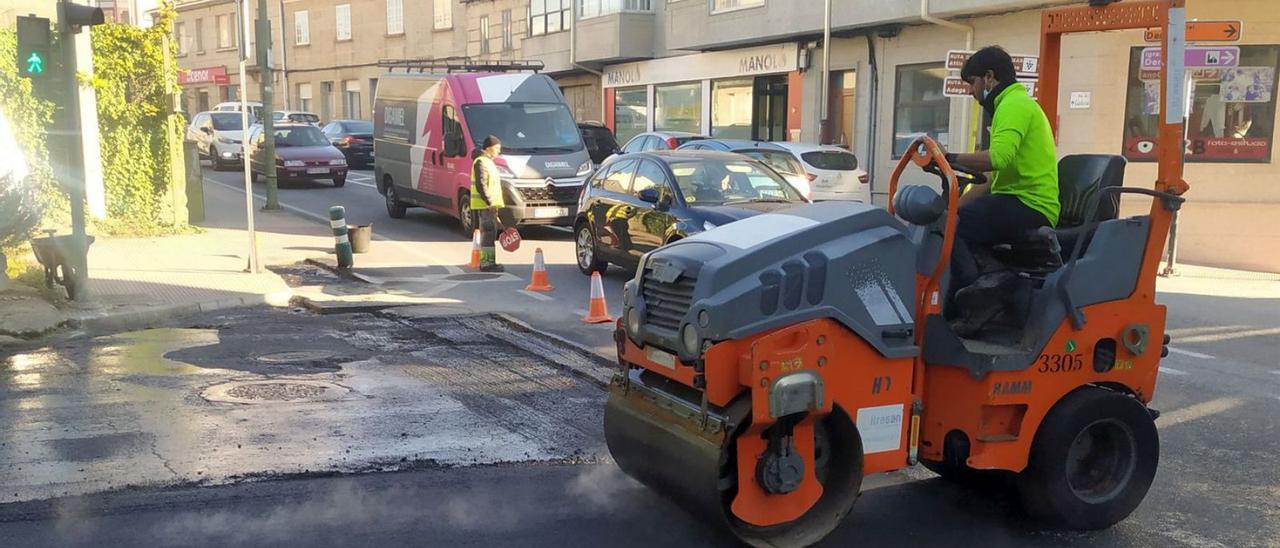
494 184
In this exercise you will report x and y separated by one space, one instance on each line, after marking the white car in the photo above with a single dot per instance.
833 172
255 109
217 136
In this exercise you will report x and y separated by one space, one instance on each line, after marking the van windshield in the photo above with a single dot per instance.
525 128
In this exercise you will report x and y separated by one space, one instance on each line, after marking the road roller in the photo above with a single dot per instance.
767 366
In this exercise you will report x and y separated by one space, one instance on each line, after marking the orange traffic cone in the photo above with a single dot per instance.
597 310
475 249
539 280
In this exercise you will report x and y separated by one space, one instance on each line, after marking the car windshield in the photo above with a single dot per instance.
719 182
302 136
525 127
358 127
781 161
303 118
833 160
225 121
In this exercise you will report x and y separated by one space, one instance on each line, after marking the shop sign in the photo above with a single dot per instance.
207 75
953 86
1203 31
1222 56
1216 149
1028 66
755 61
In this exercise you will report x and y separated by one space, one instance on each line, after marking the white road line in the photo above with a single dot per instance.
1190 353
538 296
1172 371
355 182
453 269
1276 372
1198 411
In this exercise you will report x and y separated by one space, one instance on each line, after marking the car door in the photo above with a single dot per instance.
201 132
636 144
648 221
609 210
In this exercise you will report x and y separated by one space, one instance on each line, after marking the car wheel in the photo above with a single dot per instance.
584 246
395 208
340 181
465 219
217 164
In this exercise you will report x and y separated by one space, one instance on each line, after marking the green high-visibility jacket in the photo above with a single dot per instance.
485 183
1023 153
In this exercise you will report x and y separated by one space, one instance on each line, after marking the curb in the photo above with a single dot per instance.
142 319
348 273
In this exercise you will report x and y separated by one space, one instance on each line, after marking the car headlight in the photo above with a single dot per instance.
708 225
689 338
294 163
585 168
338 162
505 172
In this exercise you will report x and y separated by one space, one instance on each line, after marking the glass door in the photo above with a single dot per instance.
770 101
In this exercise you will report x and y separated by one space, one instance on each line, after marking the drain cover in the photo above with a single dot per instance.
296 356
472 277
274 391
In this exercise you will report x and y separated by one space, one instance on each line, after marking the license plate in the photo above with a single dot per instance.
317 170
550 212
660 357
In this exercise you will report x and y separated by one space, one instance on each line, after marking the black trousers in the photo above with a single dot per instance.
989 221
488 225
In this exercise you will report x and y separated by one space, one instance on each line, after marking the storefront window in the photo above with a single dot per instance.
1233 110
731 108
630 113
919 107
678 108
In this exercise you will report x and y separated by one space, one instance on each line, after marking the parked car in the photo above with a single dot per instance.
659 140
297 116
302 154
635 203
832 171
427 125
599 141
217 136
772 155
354 138
255 109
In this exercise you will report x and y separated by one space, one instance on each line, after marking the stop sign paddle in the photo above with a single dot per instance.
509 239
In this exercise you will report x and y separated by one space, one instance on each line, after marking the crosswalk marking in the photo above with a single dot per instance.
1172 371
1190 353
1198 411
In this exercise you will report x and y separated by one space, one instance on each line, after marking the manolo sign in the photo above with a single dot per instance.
718 64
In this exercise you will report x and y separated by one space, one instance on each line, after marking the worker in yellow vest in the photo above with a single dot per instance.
486 201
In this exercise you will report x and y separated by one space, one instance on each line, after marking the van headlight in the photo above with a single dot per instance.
585 168
689 339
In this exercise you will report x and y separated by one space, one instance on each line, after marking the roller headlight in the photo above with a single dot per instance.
633 322
689 339
585 168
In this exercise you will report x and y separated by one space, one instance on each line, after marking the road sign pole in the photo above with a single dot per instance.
263 27
254 267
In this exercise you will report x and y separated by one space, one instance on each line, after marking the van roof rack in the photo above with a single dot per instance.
460 64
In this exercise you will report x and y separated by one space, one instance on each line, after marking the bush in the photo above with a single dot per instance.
22 201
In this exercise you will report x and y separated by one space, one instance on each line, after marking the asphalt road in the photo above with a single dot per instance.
1217 485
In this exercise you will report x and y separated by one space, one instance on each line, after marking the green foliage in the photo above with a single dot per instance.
21 202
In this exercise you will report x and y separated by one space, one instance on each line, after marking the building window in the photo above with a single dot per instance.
548 16
731 108
630 113
719 6
678 107
484 34
342 21
304 97
919 107
301 28
199 36
506 31
1232 109
594 8
351 99
224 25
395 16
443 14
180 31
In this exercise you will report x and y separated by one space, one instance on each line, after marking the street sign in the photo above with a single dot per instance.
1212 57
953 86
1026 65
1203 31
35 39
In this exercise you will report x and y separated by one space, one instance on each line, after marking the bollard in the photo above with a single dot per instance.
341 242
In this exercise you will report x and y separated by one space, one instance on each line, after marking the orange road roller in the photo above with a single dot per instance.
768 365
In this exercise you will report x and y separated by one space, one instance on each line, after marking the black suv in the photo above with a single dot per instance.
635 203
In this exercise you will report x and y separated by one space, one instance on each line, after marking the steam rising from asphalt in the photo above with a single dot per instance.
601 485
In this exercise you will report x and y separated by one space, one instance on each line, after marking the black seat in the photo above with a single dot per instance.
1081 178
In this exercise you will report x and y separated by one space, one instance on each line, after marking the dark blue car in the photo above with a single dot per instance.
635 203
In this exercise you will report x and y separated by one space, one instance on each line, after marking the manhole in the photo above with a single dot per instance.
297 357
274 391
475 277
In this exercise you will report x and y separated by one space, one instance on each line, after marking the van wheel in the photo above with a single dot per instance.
1092 460
584 247
395 208
465 220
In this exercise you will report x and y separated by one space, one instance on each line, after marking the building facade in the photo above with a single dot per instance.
754 69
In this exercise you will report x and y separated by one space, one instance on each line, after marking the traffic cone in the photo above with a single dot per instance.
475 249
597 310
539 280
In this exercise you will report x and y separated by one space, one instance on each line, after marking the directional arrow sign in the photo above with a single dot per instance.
1225 56
1204 31
1027 66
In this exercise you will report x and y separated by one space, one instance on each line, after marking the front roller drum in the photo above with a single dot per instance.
661 439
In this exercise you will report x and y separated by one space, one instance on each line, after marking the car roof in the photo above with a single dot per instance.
810 147
673 134
673 155
348 121
742 144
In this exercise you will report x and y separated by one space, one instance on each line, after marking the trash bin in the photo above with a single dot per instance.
361 235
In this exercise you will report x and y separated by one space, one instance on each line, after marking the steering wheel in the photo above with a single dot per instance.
965 175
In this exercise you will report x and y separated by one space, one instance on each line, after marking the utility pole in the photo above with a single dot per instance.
263 27
254 267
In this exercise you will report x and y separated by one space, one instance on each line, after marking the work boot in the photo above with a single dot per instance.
494 267
981 302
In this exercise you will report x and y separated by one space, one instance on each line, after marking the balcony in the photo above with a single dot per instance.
615 37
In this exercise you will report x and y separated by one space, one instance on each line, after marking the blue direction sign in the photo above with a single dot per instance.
1215 57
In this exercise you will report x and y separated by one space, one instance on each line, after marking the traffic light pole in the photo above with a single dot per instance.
73 169
263 30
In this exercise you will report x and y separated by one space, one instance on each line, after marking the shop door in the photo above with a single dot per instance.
843 90
769 97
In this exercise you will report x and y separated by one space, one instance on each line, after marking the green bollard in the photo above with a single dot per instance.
341 242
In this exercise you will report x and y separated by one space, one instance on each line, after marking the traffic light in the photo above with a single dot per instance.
72 16
34 45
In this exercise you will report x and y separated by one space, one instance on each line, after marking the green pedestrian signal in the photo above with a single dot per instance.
34 42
